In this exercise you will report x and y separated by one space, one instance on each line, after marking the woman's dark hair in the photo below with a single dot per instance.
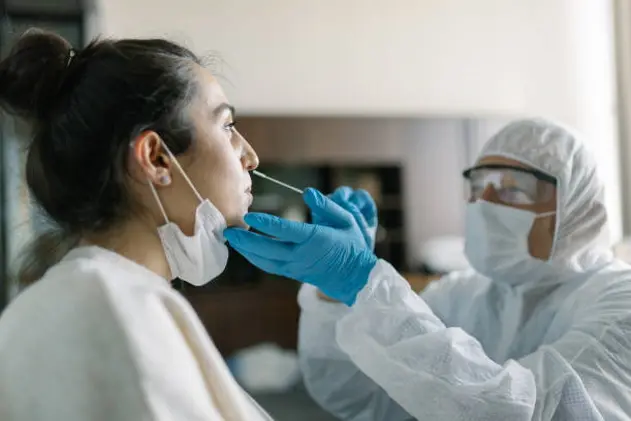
84 107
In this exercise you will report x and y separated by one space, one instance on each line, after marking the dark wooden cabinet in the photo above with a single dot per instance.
245 315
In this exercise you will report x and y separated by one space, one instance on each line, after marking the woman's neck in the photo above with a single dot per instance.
139 242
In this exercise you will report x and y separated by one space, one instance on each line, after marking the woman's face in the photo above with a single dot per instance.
217 163
220 160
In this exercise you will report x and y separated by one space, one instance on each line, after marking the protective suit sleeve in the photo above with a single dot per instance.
435 372
331 378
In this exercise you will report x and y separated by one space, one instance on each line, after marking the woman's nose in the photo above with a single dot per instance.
250 158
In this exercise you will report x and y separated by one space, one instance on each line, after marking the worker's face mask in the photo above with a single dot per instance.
203 256
496 241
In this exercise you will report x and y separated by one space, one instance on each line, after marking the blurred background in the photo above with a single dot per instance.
395 97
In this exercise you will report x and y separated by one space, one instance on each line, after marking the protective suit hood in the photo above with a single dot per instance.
582 232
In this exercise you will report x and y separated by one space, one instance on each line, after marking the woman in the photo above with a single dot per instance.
135 157
539 331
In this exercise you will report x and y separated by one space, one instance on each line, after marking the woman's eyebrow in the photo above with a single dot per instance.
221 108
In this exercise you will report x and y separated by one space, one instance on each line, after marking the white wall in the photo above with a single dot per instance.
413 57
594 76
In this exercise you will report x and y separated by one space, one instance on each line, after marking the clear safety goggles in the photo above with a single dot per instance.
512 185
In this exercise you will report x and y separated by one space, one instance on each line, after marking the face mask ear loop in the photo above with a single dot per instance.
179 167
155 195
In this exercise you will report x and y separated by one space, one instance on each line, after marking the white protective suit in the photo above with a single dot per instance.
472 348
100 337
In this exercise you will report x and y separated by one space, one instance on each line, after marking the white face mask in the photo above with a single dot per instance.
496 241
203 256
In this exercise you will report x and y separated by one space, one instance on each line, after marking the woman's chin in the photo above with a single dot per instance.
235 219
238 222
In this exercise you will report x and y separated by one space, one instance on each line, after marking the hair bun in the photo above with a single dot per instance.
30 77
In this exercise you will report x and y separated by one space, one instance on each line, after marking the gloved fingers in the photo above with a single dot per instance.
247 242
267 265
341 194
283 229
366 204
359 219
325 209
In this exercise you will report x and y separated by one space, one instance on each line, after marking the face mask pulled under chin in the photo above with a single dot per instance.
200 258
496 242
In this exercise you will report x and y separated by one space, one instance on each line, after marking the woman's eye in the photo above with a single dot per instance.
230 126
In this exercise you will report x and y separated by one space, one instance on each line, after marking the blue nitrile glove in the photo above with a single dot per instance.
363 208
332 257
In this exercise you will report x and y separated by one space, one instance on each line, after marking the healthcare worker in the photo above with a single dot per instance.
540 330
134 156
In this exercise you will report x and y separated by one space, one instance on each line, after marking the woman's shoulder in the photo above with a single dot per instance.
95 264
81 322
64 321
90 291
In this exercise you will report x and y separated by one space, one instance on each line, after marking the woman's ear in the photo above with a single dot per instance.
152 158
